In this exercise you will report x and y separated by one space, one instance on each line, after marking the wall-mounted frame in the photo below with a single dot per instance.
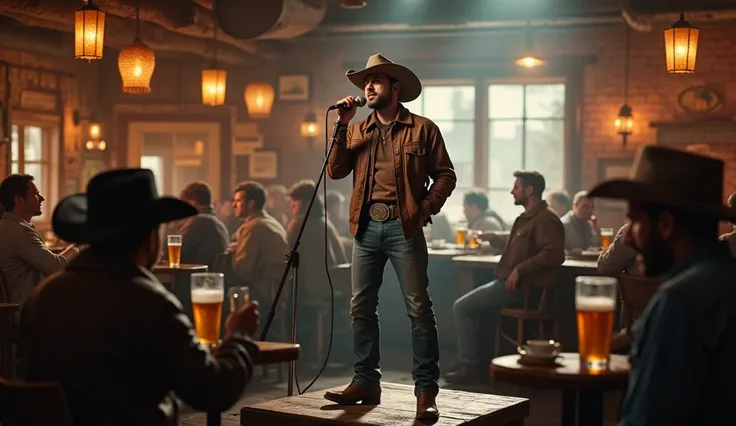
263 165
294 87
612 168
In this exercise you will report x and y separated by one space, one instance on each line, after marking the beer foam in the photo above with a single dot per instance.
595 304
207 295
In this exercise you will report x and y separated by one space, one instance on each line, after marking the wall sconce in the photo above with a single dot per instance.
309 127
625 122
96 145
94 127
89 32
681 46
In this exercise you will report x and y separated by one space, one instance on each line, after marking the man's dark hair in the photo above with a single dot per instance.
334 197
478 198
533 179
15 185
700 228
302 191
199 192
253 191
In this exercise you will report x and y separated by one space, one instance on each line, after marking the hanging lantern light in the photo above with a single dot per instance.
625 122
681 46
213 86
94 128
530 58
136 63
259 99
309 127
89 32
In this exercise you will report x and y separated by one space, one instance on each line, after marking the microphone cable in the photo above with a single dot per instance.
327 268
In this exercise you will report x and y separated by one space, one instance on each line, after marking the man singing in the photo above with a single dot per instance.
392 154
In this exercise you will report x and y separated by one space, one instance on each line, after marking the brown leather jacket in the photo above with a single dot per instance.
419 154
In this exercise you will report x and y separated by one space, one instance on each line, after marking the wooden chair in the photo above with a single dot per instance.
33 404
544 313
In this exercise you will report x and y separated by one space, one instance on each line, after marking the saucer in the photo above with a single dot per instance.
526 358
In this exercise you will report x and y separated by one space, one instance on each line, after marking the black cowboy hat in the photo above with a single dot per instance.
672 178
116 202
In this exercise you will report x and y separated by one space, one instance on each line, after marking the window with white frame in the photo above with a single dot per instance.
526 130
452 108
32 153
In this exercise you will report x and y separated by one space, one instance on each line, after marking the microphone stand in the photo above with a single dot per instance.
293 262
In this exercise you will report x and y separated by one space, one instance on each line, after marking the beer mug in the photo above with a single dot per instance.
595 303
238 296
208 294
606 238
461 235
174 243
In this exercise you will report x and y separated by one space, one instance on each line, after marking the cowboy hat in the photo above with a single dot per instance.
116 203
411 87
672 178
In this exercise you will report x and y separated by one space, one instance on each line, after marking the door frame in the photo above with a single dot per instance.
136 129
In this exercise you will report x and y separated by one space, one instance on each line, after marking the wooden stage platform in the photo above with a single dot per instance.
398 407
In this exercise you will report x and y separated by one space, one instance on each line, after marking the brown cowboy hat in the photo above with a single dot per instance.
411 87
672 178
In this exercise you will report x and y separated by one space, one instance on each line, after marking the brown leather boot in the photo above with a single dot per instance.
427 407
354 393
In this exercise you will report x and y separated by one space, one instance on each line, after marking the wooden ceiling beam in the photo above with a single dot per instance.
120 32
177 16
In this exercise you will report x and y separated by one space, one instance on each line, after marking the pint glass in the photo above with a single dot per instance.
595 302
174 243
208 293
606 237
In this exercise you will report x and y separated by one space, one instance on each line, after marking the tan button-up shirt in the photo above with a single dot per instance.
24 258
260 253
619 258
578 233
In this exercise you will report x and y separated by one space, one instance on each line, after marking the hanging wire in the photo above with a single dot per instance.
137 19
627 38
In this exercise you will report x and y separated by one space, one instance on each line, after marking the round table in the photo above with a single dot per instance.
582 390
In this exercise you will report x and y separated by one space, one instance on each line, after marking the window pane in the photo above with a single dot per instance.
33 143
14 168
453 207
415 106
460 141
502 202
14 144
545 150
156 165
449 102
545 101
505 152
36 170
505 101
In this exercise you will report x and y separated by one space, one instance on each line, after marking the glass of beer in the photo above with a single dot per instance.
238 296
595 302
174 243
208 294
461 235
474 239
606 237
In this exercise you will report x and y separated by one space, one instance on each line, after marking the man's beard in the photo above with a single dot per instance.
655 257
379 102
521 201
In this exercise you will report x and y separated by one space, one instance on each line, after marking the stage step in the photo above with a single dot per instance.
398 407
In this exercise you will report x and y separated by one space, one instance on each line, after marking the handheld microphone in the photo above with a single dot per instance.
359 102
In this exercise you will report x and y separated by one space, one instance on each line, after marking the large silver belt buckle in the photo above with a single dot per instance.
380 212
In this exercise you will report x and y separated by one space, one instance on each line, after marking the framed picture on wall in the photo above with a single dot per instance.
612 168
294 87
263 165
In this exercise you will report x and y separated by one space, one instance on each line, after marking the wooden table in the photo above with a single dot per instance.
398 407
268 353
6 330
582 390
171 273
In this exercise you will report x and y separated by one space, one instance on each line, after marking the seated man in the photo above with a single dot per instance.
558 201
24 258
619 257
536 246
581 228
110 333
259 256
204 236
479 217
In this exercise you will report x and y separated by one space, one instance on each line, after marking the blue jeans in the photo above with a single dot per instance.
374 244
467 311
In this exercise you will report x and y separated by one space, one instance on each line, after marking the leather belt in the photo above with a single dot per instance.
381 212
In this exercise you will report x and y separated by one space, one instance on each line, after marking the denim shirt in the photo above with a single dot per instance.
683 359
